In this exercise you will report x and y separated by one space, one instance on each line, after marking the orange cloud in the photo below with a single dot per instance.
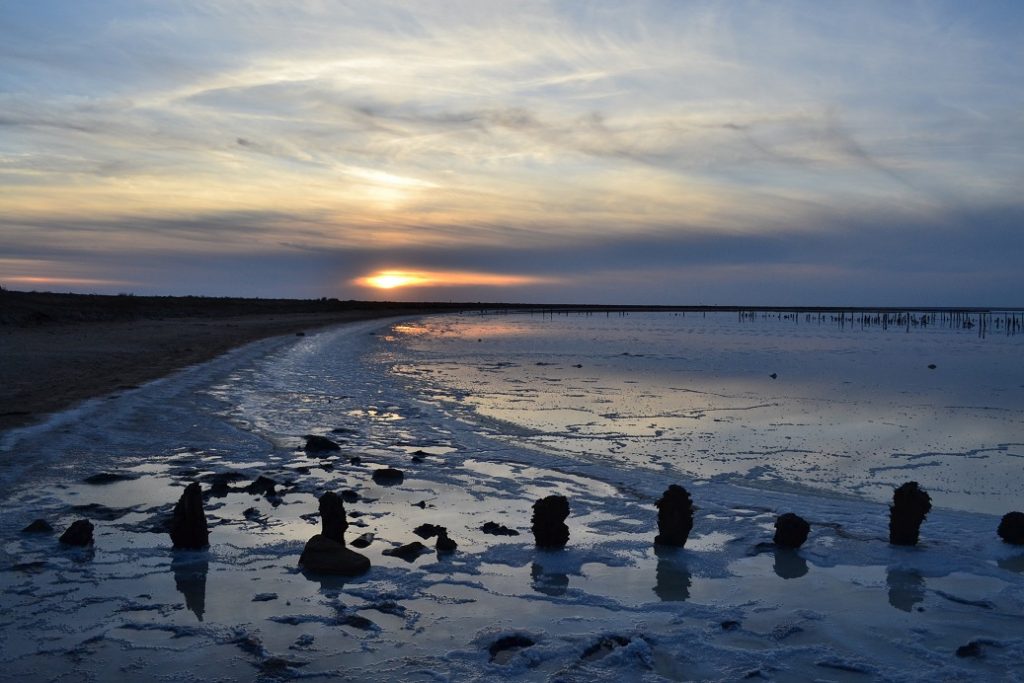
392 279
39 280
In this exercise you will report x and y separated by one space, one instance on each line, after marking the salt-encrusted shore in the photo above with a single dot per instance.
59 349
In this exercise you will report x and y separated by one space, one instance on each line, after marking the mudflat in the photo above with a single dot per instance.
59 349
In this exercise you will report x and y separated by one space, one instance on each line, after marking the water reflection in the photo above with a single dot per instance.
1013 564
789 564
548 583
673 576
190 569
906 589
329 583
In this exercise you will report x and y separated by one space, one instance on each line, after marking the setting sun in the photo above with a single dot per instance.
391 279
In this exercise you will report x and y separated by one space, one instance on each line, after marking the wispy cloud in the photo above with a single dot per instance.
292 131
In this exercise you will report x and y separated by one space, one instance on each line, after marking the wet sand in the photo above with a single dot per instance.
48 367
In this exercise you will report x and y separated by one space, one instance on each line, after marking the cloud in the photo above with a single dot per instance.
600 140
915 258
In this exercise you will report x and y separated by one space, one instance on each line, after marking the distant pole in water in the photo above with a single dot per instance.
675 517
910 505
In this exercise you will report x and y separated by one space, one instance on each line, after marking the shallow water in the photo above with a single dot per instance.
850 411
847 606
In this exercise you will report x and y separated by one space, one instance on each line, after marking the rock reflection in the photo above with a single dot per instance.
789 564
1013 564
329 583
673 576
548 583
906 589
190 569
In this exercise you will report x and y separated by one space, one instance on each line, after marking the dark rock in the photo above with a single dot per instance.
603 647
100 511
675 517
445 544
39 526
278 667
188 525
253 515
417 458
355 460
79 533
263 486
496 529
358 621
264 597
34 567
422 505
324 556
910 506
1011 528
501 649
303 642
109 478
362 541
774 375
409 552
548 523
932 366
349 496
220 483
428 530
791 530
971 649
842 665
388 476
332 517
730 625
317 445
300 334
343 430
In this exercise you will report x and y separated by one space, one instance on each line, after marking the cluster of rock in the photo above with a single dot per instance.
326 552
908 511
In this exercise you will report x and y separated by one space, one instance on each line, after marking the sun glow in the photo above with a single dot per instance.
391 279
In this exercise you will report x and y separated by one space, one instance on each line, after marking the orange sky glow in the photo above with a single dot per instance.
393 279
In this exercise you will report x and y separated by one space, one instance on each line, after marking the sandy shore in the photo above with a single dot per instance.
46 368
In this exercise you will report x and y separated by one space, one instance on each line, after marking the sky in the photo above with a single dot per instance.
729 153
